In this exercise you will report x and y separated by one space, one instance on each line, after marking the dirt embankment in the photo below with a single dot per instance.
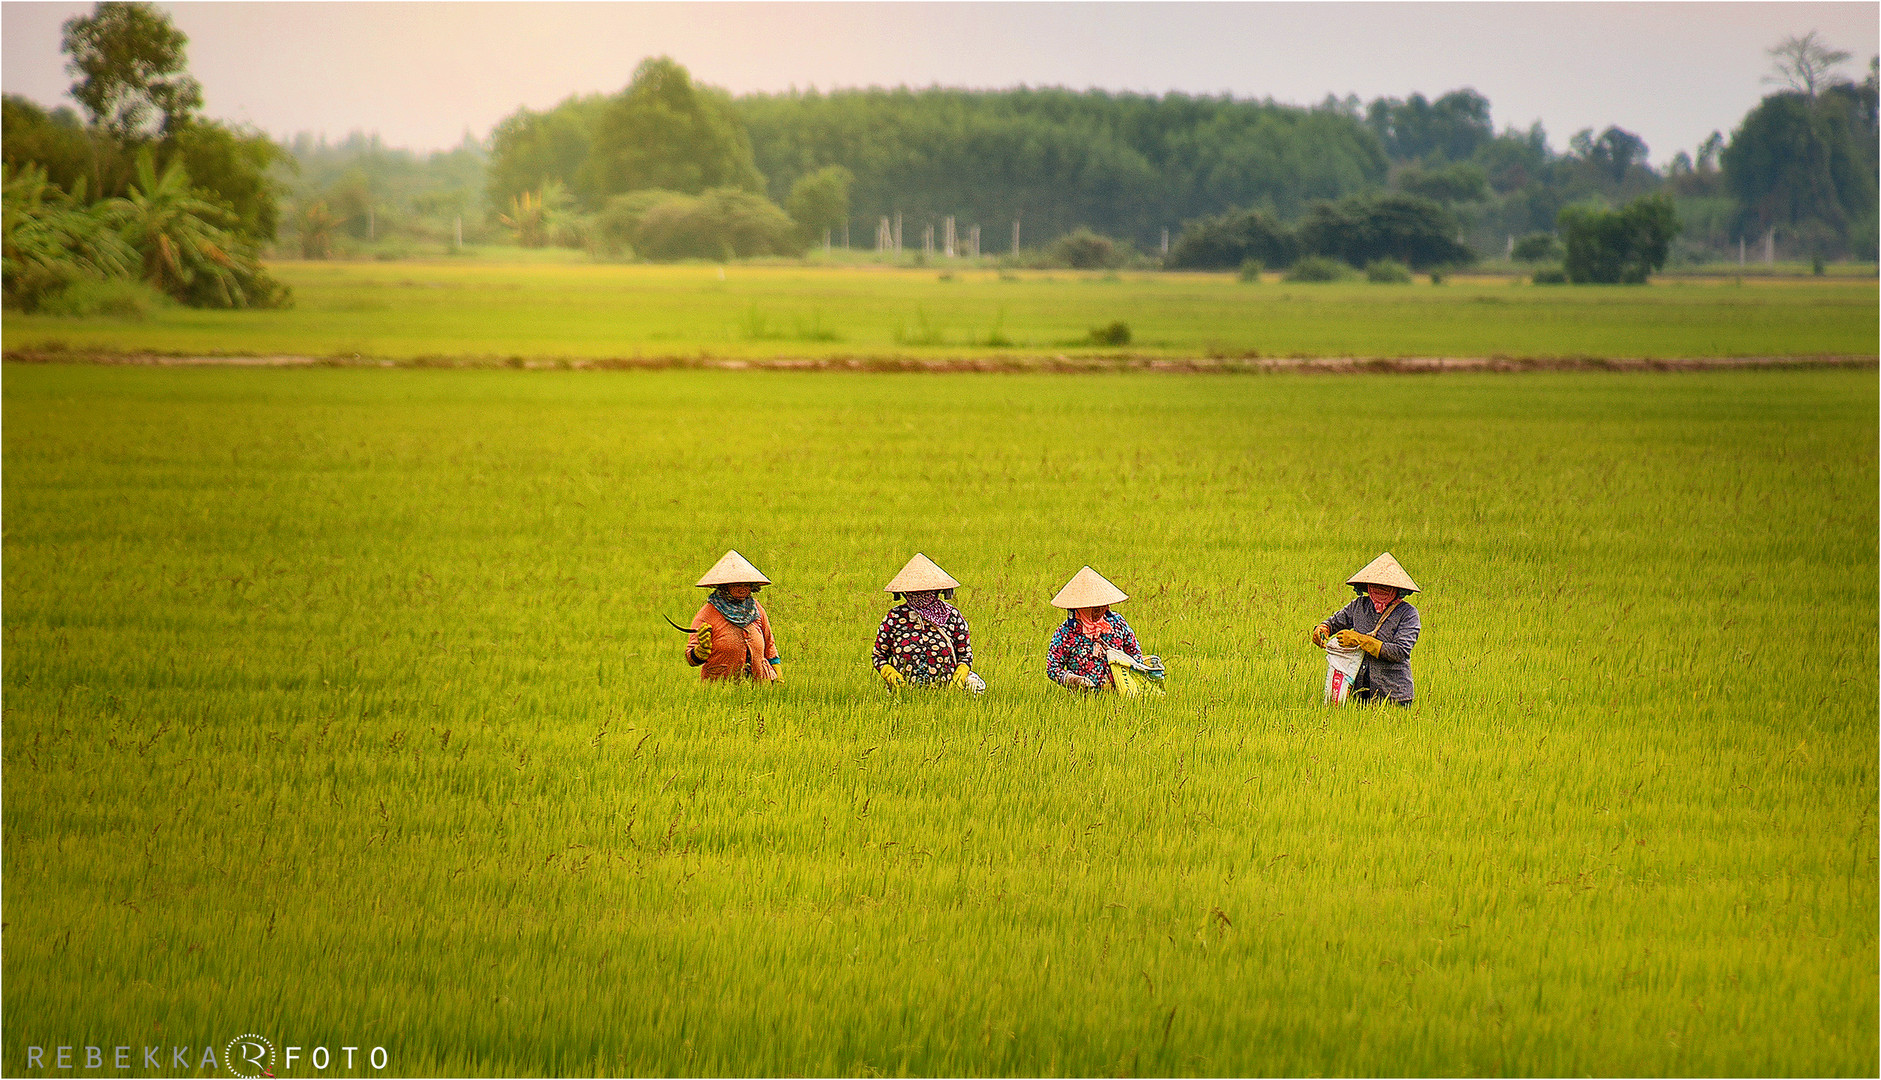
1407 365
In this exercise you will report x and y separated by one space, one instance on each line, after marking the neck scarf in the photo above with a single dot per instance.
1091 621
1386 606
929 606
738 612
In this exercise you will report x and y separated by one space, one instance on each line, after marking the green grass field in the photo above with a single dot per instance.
339 709
486 310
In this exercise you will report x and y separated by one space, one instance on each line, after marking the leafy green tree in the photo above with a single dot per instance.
1362 228
819 201
130 62
1515 159
56 142
1623 247
662 131
528 149
1449 129
234 167
1806 164
1614 153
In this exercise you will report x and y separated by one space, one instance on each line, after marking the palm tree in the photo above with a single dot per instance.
185 242
527 219
49 240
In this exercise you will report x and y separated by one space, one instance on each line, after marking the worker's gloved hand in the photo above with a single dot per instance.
893 678
1080 682
777 669
702 649
1321 633
1352 639
960 676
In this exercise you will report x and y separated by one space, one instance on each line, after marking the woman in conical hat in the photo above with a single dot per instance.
731 637
1383 625
1079 653
924 639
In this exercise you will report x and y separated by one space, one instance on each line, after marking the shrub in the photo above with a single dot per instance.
616 226
1318 268
1618 247
1360 228
1251 270
1117 333
1085 250
1537 247
724 223
1228 241
118 298
571 231
1388 272
1550 275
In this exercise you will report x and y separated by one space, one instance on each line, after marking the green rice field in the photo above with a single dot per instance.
476 309
339 707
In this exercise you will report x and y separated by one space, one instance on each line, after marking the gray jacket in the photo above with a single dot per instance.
1390 671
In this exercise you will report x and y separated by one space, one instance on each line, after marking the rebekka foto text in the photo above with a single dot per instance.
248 1056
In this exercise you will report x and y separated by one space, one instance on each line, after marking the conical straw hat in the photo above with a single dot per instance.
733 569
921 575
1384 570
1088 589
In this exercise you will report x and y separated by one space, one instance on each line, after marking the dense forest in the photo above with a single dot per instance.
668 168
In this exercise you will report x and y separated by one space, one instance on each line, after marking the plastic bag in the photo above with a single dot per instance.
1125 671
1342 666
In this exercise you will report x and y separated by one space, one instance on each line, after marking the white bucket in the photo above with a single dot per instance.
1342 666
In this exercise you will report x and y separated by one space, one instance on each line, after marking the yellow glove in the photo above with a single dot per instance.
960 676
1353 639
893 678
702 650
1320 633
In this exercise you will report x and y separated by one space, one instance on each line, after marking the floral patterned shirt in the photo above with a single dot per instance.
1072 653
920 650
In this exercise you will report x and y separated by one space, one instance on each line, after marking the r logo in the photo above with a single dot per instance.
249 1056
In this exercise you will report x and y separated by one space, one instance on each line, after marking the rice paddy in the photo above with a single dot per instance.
340 710
473 309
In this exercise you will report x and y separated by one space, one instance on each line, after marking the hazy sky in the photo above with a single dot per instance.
423 74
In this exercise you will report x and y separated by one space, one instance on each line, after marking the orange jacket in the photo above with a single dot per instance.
735 649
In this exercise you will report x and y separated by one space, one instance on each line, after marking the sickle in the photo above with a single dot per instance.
676 626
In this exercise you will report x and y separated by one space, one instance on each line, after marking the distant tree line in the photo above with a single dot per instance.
1409 179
